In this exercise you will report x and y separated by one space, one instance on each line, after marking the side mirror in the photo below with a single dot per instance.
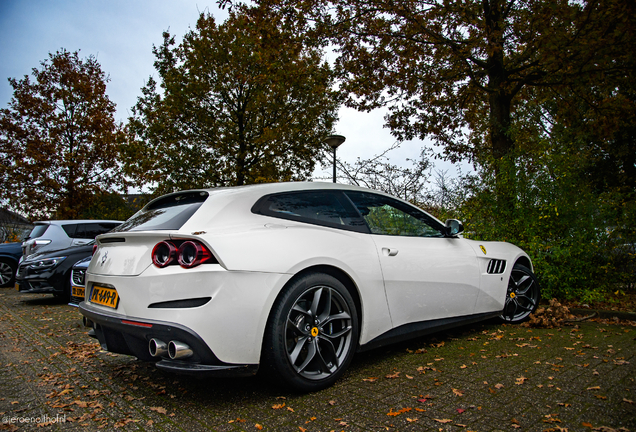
453 227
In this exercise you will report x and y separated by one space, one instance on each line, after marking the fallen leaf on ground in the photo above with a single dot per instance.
443 420
398 412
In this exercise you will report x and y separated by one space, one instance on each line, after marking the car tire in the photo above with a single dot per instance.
65 294
7 273
311 335
522 297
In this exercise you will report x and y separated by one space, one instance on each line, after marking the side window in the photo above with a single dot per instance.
386 216
92 230
70 229
79 232
327 208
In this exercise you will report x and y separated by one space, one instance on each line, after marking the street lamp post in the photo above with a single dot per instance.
334 142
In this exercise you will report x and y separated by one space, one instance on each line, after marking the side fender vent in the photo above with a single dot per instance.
496 266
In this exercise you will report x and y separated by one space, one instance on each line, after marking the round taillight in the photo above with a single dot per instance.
163 254
191 254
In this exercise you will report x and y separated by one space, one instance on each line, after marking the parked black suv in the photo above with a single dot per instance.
50 272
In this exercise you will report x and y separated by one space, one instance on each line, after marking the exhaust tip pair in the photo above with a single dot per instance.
174 349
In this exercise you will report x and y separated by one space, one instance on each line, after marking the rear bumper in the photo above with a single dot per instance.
127 335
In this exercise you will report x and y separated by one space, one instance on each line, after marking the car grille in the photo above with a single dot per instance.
496 266
78 277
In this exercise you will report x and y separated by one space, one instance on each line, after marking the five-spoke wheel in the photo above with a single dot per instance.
312 333
523 295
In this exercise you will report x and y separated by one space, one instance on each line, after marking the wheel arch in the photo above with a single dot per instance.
524 261
335 272
9 258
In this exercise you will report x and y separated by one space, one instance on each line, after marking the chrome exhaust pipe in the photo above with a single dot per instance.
178 350
157 348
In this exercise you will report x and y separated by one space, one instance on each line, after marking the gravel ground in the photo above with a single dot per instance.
487 377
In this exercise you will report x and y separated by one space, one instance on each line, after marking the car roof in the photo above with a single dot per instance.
261 189
75 221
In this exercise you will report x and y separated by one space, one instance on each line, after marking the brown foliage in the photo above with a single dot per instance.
555 315
244 101
58 138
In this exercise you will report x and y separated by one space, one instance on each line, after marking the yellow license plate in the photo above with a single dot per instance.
105 296
17 286
78 291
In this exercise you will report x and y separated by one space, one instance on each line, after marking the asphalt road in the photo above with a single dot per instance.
486 377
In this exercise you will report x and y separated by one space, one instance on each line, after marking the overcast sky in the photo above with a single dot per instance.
121 34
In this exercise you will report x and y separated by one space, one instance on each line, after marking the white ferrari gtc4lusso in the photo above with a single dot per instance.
292 277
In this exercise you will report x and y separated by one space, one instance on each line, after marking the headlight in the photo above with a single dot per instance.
46 264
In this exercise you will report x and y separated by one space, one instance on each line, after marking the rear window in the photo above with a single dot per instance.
168 213
38 231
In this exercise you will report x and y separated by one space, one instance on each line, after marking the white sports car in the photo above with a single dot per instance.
294 277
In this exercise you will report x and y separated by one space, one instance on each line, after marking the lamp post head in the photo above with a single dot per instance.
334 141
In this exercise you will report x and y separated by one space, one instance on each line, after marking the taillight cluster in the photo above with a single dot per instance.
187 254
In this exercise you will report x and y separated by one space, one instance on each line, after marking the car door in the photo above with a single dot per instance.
426 275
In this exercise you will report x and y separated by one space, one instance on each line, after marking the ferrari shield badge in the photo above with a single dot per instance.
483 249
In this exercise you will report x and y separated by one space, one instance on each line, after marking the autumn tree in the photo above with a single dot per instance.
241 102
58 138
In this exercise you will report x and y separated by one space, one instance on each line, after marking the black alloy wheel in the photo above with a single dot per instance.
312 333
522 297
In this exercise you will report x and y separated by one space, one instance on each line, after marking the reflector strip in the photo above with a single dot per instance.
135 323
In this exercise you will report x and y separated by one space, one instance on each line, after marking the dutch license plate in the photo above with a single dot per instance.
78 291
105 296
17 286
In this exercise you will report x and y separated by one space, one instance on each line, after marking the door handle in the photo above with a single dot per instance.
389 252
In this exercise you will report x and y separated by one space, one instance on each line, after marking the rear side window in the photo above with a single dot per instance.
70 230
326 208
92 230
38 231
167 213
